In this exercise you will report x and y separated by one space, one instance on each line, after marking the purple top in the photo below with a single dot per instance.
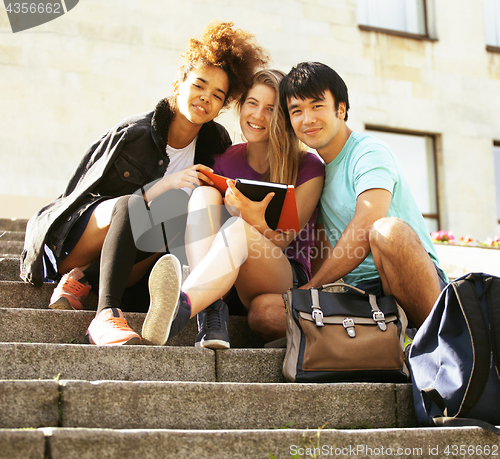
233 164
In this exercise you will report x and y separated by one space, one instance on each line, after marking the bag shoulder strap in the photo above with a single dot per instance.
468 302
493 298
446 421
341 284
465 422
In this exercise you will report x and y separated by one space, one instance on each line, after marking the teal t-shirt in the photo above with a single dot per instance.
365 163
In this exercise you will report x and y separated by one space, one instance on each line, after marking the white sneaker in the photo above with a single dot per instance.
164 290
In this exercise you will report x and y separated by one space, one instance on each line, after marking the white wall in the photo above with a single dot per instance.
64 83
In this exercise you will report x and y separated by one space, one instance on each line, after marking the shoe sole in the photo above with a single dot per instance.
164 289
62 303
135 340
213 344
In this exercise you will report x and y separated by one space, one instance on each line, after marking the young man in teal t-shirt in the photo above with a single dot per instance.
372 233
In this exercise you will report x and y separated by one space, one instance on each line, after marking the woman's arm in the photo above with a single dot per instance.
307 197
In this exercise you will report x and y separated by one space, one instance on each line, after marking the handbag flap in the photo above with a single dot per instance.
338 320
342 304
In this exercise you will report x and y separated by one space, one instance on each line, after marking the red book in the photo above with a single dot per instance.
288 219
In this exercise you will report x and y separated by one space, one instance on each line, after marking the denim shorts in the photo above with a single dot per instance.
76 231
374 286
299 276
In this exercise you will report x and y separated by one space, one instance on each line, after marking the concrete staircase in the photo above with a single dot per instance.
60 398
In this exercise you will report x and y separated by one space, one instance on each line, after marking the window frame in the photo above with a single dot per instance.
491 48
496 143
400 33
433 136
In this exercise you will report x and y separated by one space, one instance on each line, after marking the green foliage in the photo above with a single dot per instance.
288 425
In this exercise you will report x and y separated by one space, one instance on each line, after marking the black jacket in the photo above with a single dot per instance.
127 157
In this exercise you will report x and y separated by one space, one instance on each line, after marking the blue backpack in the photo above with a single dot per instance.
455 356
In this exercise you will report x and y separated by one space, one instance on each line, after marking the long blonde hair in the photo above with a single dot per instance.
284 153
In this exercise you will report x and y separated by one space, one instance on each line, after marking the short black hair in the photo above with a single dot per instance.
310 80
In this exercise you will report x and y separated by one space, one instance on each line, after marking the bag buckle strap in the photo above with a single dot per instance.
317 313
378 315
349 326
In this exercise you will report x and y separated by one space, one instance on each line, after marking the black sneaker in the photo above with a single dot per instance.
212 327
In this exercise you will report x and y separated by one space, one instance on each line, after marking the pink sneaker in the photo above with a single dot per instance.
109 327
70 293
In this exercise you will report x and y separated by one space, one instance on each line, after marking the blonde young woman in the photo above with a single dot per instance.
244 252
85 235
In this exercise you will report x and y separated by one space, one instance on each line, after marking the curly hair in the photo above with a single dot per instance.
233 50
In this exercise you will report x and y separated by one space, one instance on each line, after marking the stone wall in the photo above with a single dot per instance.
62 84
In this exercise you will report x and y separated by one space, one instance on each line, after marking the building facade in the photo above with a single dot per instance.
424 75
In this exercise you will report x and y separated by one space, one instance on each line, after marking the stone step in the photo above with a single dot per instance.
24 325
9 268
139 363
11 247
12 236
13 224
11 255
83 443
19 294
202 405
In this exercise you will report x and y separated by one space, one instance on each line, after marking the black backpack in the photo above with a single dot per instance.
455 356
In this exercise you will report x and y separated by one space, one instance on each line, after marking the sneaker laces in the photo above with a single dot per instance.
214 318
73 287
118 322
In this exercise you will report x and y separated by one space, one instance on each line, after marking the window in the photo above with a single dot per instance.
407 16
491 10
416 154
496 156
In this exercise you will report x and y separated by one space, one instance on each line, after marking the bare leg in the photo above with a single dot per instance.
405 268
239 255
203 222
88 248
267 317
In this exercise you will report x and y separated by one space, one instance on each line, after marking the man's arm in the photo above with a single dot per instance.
353 246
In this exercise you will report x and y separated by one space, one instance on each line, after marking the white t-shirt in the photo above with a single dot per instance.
180 159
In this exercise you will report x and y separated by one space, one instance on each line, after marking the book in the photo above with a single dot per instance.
257 190
281 213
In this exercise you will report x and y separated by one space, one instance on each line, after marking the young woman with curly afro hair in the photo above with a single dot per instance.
126 203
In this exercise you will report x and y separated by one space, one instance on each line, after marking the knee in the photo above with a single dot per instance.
204 196
263 311
256 314
391 232
123 203
234 229
133 204
387 229
126 208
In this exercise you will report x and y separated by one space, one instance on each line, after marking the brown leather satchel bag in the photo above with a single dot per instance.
334 337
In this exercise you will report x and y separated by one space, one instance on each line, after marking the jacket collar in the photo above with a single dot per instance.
162 117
